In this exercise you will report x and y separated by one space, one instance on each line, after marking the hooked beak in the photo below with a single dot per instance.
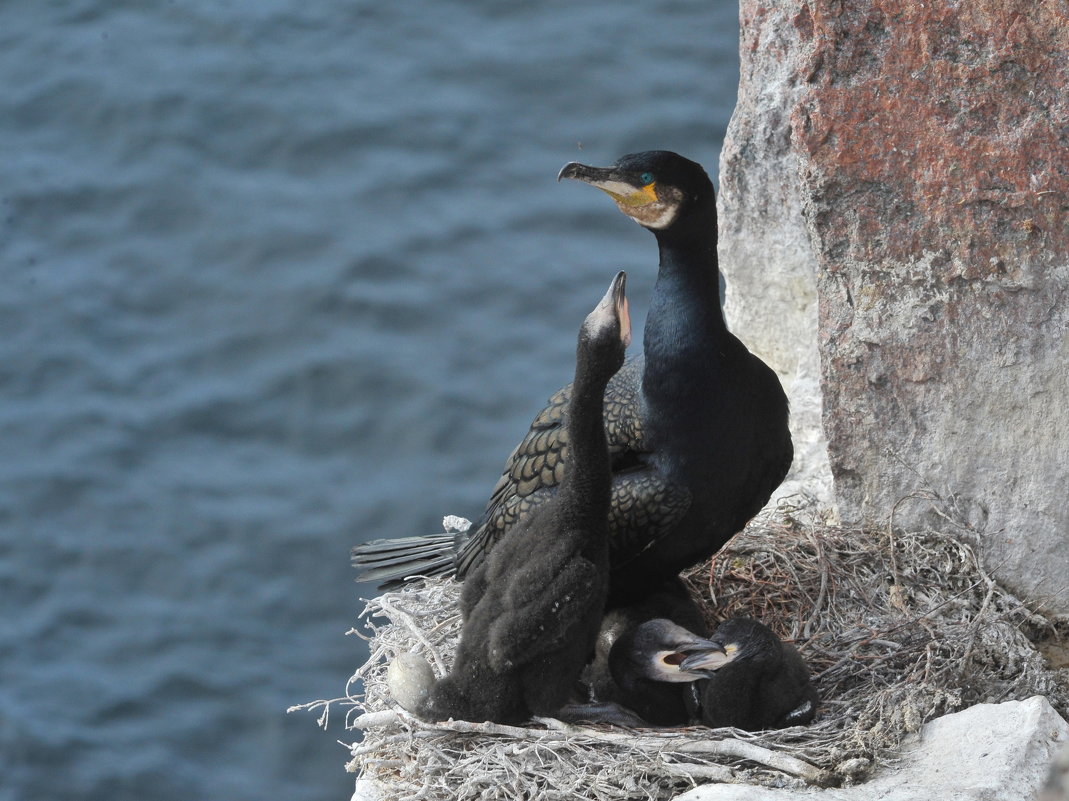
706 656
623 187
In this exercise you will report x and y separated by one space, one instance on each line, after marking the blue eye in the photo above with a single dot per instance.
646 178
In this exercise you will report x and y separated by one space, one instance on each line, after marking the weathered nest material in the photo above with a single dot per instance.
897 627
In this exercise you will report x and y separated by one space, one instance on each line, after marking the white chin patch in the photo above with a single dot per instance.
657 216
663 219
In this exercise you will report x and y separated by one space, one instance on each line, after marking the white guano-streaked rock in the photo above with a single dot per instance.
369 790
768 261
989 752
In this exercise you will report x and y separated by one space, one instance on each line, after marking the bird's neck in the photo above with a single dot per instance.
685 322
587 471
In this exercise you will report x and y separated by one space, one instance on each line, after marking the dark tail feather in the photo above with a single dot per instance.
391 561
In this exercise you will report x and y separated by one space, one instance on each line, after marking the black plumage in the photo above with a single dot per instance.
753 680
629 668
697 426
531 609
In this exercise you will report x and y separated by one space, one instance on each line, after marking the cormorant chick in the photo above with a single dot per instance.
697 427
629 667
754 680
531 609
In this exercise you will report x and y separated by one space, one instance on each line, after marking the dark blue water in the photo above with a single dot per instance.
279 276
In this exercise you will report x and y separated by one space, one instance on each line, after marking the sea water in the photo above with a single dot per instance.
278 277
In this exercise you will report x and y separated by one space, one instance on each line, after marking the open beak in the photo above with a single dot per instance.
619 299
620 185
706 655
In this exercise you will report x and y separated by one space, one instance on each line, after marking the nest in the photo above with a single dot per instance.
897 628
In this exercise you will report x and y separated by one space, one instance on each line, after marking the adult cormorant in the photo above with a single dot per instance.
697 427
531 609
754 680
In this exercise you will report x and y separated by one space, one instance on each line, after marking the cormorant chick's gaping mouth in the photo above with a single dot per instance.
661 649
693 660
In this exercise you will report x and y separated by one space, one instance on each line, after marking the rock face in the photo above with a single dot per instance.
987 752
768 261
904 170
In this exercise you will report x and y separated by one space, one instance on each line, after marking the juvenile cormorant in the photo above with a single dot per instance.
754 680
531 609
697 426
629 667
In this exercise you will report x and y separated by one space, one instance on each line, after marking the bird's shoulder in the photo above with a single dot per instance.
535 467
538 460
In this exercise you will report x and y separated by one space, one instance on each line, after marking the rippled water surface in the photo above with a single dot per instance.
280 276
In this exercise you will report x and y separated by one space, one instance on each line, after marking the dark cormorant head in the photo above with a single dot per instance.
659 648
654 188
608 326
735 639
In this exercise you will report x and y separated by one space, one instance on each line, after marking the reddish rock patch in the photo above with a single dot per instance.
928 149
948 128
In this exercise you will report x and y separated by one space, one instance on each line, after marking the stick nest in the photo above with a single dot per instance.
897 628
